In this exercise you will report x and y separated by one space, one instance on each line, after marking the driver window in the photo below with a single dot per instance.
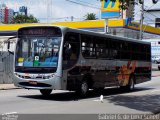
71 48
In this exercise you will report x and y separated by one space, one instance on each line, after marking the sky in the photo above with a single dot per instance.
62 10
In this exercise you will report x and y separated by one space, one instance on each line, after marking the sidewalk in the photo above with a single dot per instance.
7 86
155 73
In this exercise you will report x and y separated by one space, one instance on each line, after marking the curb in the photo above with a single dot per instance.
155 75
8 87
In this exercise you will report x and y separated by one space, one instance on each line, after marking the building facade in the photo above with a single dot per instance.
23 10
6 14
152 17
2 12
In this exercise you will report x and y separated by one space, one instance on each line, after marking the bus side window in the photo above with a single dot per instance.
88 46
67 51
71 49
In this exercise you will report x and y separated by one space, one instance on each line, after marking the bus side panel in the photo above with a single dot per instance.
104 73
107 73
99 73
140 72
143 72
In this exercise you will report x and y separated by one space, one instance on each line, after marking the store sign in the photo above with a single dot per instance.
110 8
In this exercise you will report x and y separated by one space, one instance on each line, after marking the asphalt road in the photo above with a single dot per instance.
145 99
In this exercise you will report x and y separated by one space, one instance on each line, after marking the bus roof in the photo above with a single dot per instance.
63 28
108 35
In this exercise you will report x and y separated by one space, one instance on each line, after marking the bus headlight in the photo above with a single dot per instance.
48 76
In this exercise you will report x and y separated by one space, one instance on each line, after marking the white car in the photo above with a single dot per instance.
156 59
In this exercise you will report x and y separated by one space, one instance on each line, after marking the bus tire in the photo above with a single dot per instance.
83 88
131 84
45 92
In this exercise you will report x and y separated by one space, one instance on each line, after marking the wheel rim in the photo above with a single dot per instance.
131 84
84 88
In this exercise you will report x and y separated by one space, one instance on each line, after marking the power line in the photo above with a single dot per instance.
150 7
83 4
87 3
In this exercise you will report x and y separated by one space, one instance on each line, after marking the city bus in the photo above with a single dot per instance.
60 58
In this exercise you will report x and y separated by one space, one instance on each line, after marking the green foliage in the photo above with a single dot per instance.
24 19
90 16
124 4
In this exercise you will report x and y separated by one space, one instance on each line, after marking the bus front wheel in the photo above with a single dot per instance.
45 92
83 89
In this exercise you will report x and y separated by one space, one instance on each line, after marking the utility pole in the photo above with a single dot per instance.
47 3
142 17
72 18
106 28
49 9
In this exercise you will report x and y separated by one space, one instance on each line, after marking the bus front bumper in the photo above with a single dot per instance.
52 83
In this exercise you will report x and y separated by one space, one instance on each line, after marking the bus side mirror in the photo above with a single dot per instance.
8 45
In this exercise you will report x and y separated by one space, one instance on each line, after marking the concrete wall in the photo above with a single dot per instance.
6 60
6 68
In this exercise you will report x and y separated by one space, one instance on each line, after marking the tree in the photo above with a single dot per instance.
24 19
90 16
124 4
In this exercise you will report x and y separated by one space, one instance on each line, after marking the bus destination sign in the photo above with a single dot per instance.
40 31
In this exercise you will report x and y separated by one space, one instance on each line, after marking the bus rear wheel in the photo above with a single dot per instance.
130 86
45 92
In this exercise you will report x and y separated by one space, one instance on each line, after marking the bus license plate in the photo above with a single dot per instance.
33 82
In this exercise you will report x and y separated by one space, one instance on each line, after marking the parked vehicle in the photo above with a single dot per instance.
156 59
159 66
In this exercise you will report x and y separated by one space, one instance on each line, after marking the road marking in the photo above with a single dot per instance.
155 90
10 113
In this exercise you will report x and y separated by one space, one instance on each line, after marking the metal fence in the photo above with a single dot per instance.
6 68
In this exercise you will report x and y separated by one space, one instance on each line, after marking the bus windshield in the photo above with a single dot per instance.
37 52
